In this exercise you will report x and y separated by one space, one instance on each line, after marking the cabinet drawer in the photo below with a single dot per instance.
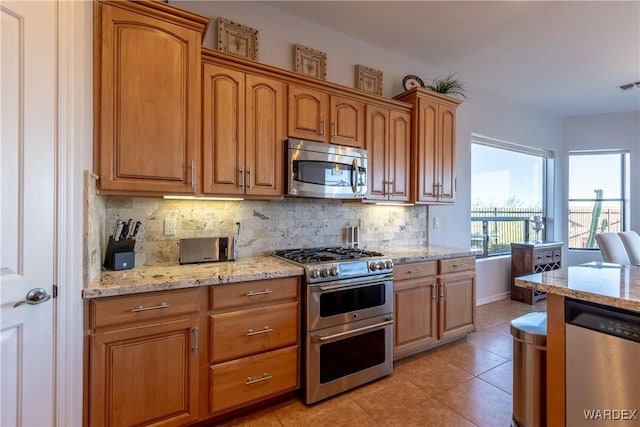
239 295
455 265
148 306
242 333
543 257
414 270
247 380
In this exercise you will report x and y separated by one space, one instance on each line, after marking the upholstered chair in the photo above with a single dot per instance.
631 241
612 248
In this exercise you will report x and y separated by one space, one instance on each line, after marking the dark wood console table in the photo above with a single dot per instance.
533 257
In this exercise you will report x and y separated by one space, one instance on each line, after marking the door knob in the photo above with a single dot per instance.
35 296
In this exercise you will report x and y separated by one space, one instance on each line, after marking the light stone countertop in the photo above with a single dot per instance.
165 277
607 284
406 255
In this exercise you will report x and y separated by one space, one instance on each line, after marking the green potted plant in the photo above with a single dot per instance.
450 85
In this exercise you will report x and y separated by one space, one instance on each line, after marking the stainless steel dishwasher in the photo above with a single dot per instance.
602 365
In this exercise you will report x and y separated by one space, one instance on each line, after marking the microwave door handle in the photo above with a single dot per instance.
354 176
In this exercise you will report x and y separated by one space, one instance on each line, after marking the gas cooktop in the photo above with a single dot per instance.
337 263
318 255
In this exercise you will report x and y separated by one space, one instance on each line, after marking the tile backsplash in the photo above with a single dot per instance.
266 225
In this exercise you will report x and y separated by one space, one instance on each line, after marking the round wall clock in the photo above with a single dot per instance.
411 81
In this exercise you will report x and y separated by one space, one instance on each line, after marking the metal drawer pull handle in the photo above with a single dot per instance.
416 270
196 340
138 308
353 331
264 330
459 265
264 377
265 292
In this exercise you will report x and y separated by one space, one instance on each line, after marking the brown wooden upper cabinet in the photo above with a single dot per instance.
434 140
147 97
388 134
320 116
243 133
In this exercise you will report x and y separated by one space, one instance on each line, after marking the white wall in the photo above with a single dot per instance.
598 132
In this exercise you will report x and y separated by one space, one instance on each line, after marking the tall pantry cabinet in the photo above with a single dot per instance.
433 145
147 97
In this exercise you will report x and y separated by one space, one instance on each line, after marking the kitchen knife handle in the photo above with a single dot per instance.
135 229
192 168
118 232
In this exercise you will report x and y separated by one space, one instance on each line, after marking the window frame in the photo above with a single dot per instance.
547 157
624 189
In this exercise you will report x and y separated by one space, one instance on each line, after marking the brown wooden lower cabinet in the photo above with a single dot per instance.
176 357
434 303
145 371
254 336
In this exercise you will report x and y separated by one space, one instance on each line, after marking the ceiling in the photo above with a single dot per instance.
566 57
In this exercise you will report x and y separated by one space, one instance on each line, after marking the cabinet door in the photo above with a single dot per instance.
415 315
145 375
265 134
223 130
308 113
148 115
427 146
347 122
398 155
377 137
447 153
457 305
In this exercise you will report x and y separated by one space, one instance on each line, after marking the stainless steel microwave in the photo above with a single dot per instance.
327 171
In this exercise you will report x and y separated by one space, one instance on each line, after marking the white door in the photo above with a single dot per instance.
27 183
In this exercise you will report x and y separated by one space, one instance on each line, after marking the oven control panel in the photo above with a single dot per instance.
348 269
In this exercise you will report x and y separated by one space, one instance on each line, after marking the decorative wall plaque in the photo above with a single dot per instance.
368 79
310 62
237 39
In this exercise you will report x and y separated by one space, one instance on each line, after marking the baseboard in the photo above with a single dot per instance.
493 298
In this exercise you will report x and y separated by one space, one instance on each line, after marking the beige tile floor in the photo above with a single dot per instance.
464 383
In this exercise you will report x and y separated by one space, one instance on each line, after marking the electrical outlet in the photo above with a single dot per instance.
237 225
169 227
362 223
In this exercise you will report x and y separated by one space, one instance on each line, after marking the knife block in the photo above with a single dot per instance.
120 254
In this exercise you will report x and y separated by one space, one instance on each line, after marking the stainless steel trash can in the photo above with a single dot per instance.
529 370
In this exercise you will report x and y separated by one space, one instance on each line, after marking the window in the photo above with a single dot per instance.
598 183
508 190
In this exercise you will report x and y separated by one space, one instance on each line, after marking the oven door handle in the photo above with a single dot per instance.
352 331
353 284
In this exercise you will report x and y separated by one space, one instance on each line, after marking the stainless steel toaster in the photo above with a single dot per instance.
206 249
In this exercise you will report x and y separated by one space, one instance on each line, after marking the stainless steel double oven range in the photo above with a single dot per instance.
348 318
